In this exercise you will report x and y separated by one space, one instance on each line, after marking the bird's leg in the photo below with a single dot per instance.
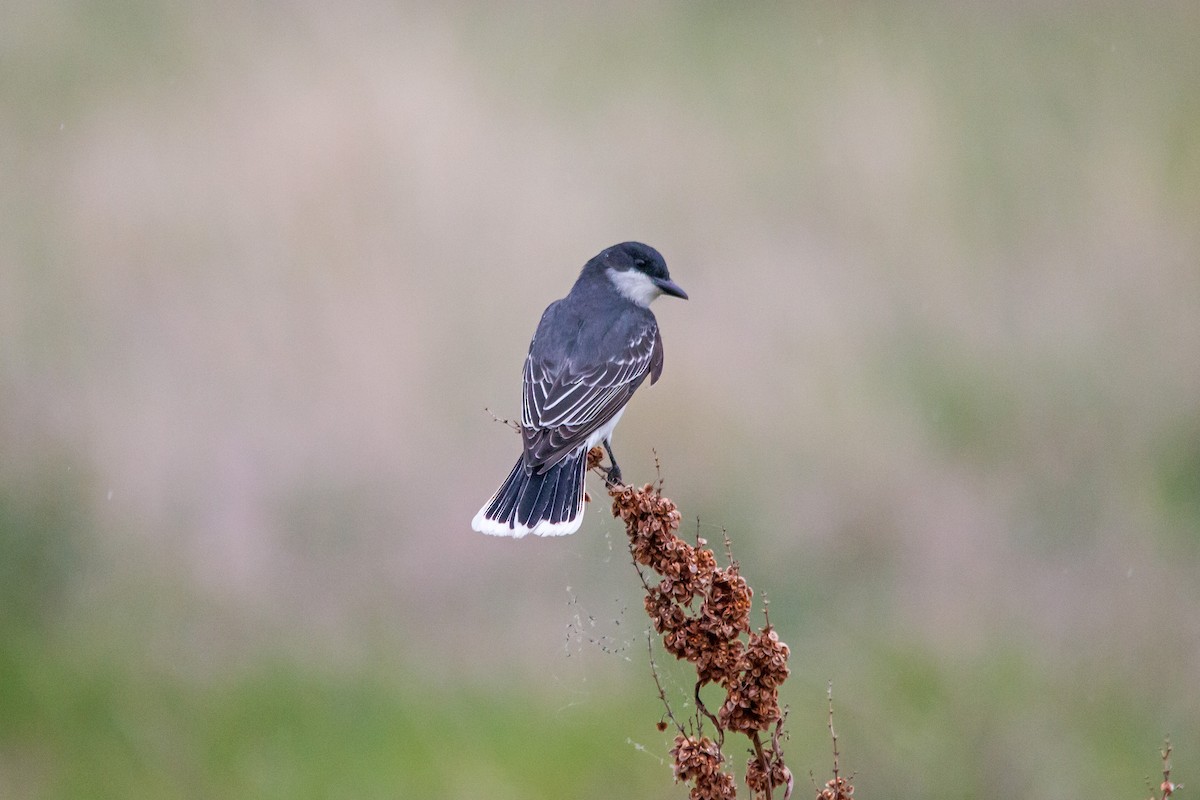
614 472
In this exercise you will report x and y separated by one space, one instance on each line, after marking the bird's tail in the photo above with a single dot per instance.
544 504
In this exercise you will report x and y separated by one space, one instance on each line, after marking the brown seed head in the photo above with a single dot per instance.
698 762
777 773
837 789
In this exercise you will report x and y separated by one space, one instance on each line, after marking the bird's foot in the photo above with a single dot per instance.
613 478
614 472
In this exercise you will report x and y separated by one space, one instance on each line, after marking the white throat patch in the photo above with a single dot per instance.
634 285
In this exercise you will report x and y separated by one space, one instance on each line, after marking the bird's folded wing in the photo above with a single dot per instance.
565 403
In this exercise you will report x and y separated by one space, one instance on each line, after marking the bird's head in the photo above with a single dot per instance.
638 272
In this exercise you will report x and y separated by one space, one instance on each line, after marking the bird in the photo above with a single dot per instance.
591 351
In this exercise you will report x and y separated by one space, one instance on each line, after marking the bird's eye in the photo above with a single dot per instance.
639 262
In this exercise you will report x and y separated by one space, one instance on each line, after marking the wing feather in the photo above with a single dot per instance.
564 403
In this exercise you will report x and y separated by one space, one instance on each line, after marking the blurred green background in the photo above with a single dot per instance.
263 266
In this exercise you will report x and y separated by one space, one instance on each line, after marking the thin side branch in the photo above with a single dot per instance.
1167 788
837 788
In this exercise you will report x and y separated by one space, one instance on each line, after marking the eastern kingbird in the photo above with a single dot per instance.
591 351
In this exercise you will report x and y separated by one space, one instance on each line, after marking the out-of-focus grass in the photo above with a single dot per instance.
41 538
80 722
75 724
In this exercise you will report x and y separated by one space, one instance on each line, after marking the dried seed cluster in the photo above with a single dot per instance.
702 612
836 789
752 699
698 762
761 780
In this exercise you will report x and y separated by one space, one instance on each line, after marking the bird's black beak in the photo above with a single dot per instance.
670 287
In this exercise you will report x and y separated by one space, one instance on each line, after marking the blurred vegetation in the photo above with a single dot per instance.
80 726
40 537
262 268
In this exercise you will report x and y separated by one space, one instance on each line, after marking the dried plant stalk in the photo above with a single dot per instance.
702 612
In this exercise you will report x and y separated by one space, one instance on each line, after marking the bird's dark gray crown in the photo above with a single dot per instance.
634 255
